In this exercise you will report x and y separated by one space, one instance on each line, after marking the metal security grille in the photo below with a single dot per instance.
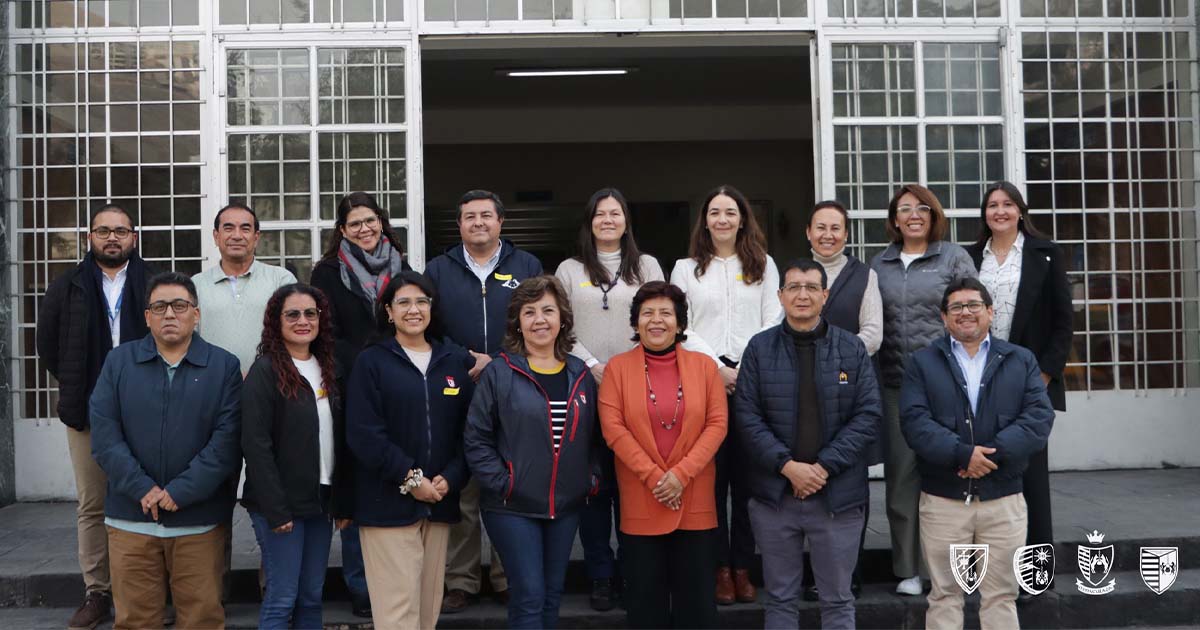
584 11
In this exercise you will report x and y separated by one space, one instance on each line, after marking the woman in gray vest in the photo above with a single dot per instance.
853 305
913 272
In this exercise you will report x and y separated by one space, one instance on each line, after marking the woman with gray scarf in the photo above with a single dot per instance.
362 256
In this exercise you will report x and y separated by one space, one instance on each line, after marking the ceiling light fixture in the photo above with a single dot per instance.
565 72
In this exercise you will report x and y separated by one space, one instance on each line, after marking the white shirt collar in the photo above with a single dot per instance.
984 346
1018 245
490 262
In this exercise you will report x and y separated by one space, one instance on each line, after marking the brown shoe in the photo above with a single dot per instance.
742 586
725 593
97 607
455 601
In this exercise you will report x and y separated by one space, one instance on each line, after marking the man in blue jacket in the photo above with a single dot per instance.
165 417
973 409
474 282
807 409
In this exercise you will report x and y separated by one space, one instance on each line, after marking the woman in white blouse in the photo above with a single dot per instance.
731 285
600 283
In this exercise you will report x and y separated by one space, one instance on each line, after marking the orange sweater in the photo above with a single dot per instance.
626 425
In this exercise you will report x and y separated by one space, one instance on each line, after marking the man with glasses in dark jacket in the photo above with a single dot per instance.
166 425
807 409
974 409
86 313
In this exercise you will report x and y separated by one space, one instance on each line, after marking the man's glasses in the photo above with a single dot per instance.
180 306
795 287
104 232
355 226
406 303
973 307
292 316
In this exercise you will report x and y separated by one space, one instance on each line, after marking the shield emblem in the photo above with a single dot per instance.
1159 567
1095 563
1034 567
969 565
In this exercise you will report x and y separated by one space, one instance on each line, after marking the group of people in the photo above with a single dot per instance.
736 407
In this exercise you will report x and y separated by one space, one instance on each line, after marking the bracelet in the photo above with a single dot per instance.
413 481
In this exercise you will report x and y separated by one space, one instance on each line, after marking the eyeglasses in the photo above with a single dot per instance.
795 287
311 314
406 303
921 209
180 306
973 307
355 226
104 232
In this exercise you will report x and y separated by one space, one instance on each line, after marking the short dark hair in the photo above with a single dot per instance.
235 205
405 278
965 284
802 265
171 279
660 289
112 207
830 203
474 195
530 291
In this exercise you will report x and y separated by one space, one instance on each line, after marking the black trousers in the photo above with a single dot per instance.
669 580
734 541
1037 498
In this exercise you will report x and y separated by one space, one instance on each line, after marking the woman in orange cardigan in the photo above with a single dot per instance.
663 412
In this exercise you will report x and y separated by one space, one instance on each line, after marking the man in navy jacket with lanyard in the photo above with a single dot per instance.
474 282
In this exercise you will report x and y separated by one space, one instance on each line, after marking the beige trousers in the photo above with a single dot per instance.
90 487
144 566
999 524
405 568
466 548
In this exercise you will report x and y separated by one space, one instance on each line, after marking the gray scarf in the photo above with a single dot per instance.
366 274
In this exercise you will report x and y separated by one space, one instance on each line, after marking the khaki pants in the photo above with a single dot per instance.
142 566
405 568
902 483
466 548
90 487
999 524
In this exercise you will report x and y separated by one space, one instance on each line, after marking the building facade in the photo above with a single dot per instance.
173 107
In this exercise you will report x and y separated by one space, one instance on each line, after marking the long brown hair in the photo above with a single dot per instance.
1024 223
287 377
630 269
937 216
530 291
350 202
751 244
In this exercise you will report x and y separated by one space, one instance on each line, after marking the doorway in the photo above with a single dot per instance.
675 116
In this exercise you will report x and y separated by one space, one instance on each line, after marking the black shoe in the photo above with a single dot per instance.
810 594
602 598
500 597
360 606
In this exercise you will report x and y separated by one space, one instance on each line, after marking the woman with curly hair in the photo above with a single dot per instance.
293 439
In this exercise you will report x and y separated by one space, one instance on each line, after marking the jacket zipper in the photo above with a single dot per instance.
483 289
511 478
571 398
970 421
550 425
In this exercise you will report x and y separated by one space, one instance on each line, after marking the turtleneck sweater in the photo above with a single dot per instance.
602 334
662 370
808 437
870 312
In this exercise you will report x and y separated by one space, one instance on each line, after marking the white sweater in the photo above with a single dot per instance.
723 310
602 334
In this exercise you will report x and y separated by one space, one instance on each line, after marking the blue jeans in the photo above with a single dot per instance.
354 574
535 553
295 565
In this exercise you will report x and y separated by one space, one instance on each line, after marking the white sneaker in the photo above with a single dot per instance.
910 586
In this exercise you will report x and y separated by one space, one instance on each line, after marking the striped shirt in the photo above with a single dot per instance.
554 382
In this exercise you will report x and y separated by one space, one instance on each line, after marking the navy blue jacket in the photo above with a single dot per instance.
1013 415
182 436
398 419
471 315
767 403
510 448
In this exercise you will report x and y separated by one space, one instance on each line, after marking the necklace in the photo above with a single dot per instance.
604 290
654 402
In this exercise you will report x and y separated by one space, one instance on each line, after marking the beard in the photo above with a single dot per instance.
112 260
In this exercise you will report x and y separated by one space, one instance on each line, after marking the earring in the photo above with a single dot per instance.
390 320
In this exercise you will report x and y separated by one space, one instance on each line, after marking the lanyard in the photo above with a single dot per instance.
115 311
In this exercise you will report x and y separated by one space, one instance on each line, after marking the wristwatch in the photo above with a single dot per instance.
413 481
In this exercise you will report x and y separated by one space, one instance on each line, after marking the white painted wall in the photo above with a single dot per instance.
1102 430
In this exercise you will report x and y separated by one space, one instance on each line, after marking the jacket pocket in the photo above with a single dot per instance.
511 481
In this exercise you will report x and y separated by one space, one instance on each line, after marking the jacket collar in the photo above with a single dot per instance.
997 350
455 252
198 352
893 251
437 349
574 366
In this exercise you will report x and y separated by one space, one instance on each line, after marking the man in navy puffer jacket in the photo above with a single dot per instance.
807 409
974 409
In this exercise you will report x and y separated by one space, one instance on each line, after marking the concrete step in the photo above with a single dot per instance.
1130 605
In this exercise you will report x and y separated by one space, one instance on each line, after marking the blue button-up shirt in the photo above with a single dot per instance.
972 367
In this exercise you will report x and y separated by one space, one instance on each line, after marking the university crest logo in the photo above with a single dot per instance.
969 564
1094 564
1034 567
1159 567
